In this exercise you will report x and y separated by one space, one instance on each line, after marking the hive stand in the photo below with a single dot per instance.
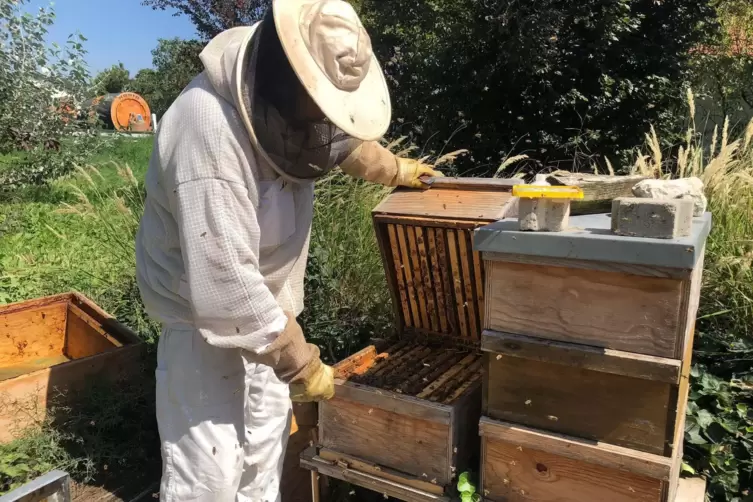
588 343
404 418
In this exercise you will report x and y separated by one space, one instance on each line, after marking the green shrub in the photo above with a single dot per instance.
563 82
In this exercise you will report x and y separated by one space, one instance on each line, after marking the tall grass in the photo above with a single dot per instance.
725 165
719 422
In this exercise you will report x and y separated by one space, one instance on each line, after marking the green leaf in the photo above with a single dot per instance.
688 469
704 418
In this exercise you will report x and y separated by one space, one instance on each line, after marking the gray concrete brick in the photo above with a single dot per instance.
654 218
543 215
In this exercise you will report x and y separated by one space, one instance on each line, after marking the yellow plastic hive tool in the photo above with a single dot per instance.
546 192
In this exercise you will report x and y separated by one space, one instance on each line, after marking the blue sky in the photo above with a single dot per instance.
118 30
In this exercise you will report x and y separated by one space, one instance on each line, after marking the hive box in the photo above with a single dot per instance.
404 417
589 337
51 347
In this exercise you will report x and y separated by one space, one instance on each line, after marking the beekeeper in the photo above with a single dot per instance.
222 247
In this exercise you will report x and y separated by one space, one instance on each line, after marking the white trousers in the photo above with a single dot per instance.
223 422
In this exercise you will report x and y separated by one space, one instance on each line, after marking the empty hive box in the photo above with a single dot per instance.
588 343
54 345
405 413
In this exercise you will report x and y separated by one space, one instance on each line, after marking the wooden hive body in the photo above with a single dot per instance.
405 413
588 340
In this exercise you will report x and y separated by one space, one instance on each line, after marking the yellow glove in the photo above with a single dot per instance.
409 171
319 385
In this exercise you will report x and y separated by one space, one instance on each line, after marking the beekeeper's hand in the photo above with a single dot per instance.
297 363
409 172
319 385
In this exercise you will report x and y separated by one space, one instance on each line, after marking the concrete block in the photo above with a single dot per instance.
544 215
685 188
654 218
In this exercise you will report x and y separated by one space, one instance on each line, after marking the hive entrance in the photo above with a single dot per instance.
428 371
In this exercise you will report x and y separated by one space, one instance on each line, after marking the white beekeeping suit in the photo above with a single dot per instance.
222 246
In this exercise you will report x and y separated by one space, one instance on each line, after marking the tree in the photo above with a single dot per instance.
214 16
41 86
176 62
724 68
555 80
112 80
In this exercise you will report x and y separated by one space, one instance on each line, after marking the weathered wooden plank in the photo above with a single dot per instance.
391 402
499 184
385 435
605 309
604 266
457 283
399 275
514 473
691 490
34 333
416 272
612 361
598 190
466 259
405 260
84 337
605 455
423 252
438 282
599 406
478 275
451 203
310 460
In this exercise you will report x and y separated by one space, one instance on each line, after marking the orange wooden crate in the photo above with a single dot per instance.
52 346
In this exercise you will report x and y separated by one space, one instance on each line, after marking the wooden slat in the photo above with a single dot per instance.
423 254
399 275
350 462
615 409
466 259
384 435
448 375
438 282
447 288
612 310
83 338
416 273
583 356
405 260
457 282
310 460
500 184
478 274
605 455
347 367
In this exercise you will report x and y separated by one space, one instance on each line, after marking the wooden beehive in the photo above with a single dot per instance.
405 414
588 335
50 348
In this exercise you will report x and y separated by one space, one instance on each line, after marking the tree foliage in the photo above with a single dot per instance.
40 88
175 63
112 80
724 68
555 80
214 16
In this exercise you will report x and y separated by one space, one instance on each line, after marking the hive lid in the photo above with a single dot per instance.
590 238
425 236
